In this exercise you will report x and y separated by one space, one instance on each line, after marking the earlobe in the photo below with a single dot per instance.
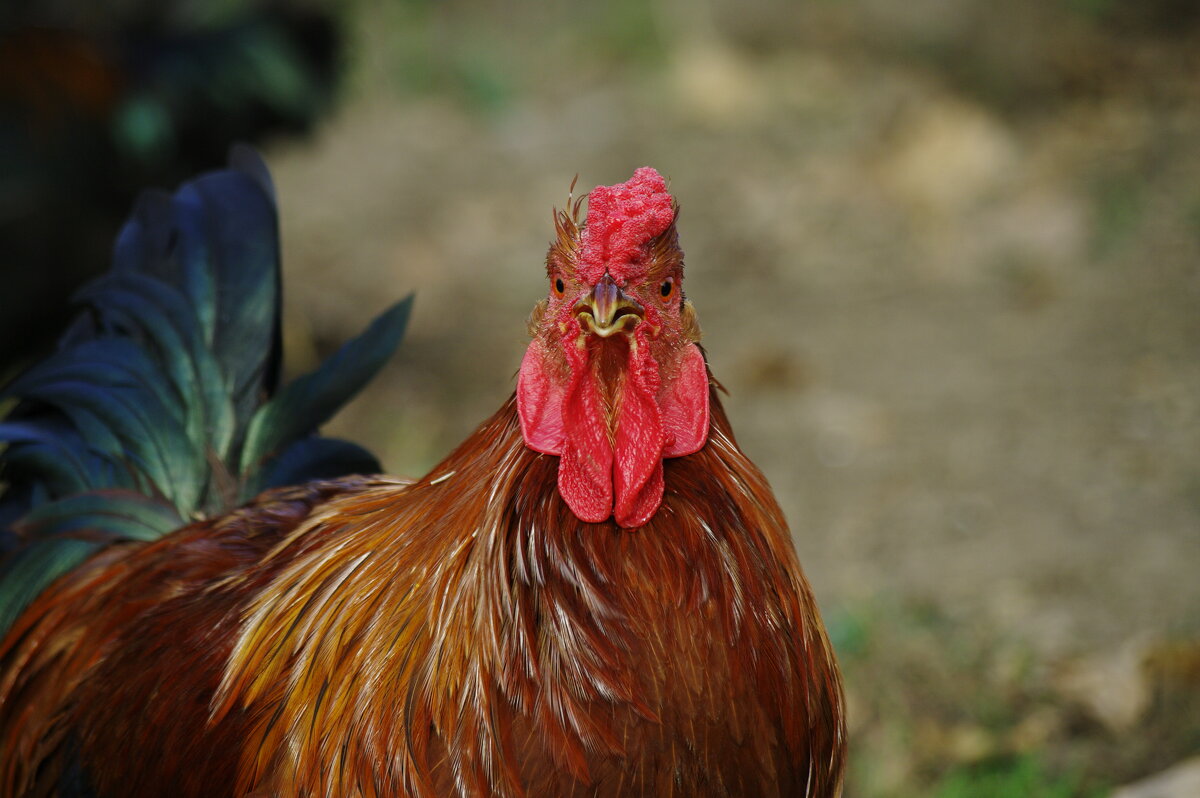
684 407
539 403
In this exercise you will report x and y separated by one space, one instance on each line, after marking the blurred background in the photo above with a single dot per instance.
946 256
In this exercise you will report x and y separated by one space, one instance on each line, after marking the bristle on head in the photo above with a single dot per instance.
621 221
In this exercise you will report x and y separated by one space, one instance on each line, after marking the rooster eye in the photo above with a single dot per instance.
558 286
667 288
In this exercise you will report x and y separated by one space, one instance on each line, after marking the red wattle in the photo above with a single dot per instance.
637 472
622 479
586 468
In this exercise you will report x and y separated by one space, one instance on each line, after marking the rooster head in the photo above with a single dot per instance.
614 381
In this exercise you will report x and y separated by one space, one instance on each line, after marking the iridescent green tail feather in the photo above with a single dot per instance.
161 403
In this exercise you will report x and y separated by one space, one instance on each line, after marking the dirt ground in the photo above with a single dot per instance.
950 276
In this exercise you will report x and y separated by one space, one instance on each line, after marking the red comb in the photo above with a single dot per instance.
621 220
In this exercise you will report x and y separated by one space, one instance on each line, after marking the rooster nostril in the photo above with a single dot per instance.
626 310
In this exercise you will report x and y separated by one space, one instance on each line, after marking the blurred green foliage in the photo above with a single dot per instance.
1118 207
942 708
1023 777
1095 9
486 56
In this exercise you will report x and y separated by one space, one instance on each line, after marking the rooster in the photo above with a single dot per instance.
594 594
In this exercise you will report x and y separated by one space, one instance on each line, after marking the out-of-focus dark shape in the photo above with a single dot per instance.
93 109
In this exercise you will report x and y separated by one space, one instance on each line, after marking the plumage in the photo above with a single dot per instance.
463 634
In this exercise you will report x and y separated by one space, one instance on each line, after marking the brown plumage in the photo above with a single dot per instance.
465 634
457 632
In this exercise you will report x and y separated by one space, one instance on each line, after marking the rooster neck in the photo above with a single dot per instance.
614 650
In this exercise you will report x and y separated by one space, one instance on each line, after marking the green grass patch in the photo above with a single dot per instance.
1023 777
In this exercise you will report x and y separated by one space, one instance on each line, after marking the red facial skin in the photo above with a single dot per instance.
613 407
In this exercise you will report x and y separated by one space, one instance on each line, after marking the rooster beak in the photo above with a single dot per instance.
608 310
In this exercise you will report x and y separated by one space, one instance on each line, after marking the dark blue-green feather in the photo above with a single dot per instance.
312 458
26 573
301 407
160 404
